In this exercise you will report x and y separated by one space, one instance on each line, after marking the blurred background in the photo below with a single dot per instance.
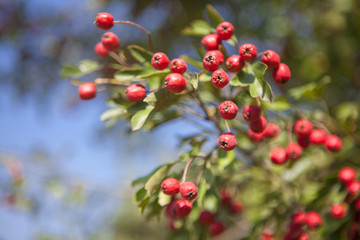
63 174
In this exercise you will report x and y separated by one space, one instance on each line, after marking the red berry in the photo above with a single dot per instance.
313 220
87 91
219 55
225 30
211 61
338 210
182 208
304 236
303 128
104 21
271 59
219 78
216 228
175 82
160 61
347 175
272 130
206 217
353 187
357 204
188 190
281 74
259 125
252 113
304 142
210 42
248 52
228 110
278 156
178 65
227 141
170 208
225 197
256 137
171 225
293 151
234 63
135 92
100 50
236 207
317 136
110 41
299 219
170 186
333 143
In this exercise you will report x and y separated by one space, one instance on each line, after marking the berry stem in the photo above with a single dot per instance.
227 126
118 58
156 89
111 81
289 131
186 169
321 126
258 102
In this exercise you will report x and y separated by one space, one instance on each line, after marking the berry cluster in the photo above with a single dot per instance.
296 231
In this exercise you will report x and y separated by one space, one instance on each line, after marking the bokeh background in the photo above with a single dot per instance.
63 174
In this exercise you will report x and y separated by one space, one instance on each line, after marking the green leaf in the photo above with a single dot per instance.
311 90
69 70
140 195
197 28
242 80
143 204
214 16
164 199
153 184
196 63
201 192
225 158
140 54
281 103
87 66
162 99
194 81
259 88
205 77
144 179
128 74
139 118
113 113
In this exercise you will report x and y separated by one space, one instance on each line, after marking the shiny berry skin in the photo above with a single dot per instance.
225 30
175 82
234 63
317 137
182 208
293 151
227 141
281 74
87 91
216 228
178 65
338 210
259 125
278 156
210 42
160 61
298 219
271 59
206 217
353 187
219 78
104 21
100 50
236 207
219 55
272 130
313 220
211 61
110 41
248 52
303 127
188 190
347 175
256 137
304 236
304 142
225 197
333 143
251 113
135 92
170 186
228 110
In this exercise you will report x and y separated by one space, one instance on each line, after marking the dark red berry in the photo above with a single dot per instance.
170 208
211 62
353 187
170 186
271 59
333 143
304 236
236 207
304 142
248 52
104 21
188 190
110 41
347 175
259 125
160 61
87 91
206 217
278 156
272 130
228 110
338 210
182 208
210 42
293 151
216 228
225 197
299 219
313 220
234 63
218 54
357 204
225 30
135 92
227 141
219 78
256 137
252 113
317 137
303 127
281 74
175 82
178 65
100 50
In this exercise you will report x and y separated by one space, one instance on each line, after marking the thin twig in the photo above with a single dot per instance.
289 131
156 89
118 59
186 169
227 126
321 126
258 102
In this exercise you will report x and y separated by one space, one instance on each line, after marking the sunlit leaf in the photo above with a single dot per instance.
197 28
311 90
162 99
259 88
140 54
113 113
225 158
139 118
153 184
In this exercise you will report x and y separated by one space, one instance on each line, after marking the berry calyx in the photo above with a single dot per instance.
256 137
248 52
333 143
227 141
216 228
188 190
259 125
210 42
272 130
313 220
175 82
271 59
182 208
225 30
293 151
211 62
170 186
317 137
278 156
281 74
100 50
347 175
110 41
338 210
234 63
228 110
160 61
303 127
104 21
87 91
304 142
178 65
135 92
353 187
219 78
206 217
251 113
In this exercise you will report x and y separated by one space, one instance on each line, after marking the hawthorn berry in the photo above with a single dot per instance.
218 54
234 63
87 91
304 236
182 208
160 61
338 210
357 204
104 21
211 61
353 187
206 217
304 142
219 78
110 41
236 207
333 143
272 130
100 50
170 186
271 59
259 125
175 82
225 197
210 42
227 141
278 156
216 228
313 220
303 127
293 151
225 30
228 110
178 65
188 190
248 52
256 137
281 74
252 113
299 219
170 208
135 92
347 175
317 136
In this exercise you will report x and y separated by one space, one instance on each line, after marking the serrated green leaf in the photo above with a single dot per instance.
162 99
196 63
113 113
153 184
214 16
311 90
259 88
225 158
140 54
197 28
139 118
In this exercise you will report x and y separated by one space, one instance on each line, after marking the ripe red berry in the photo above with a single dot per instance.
182 208
303 128
271 59
293 151
353 187
272 130
252 113
87 91
225 197
170 208
313 220
210 42
216 228
219 78
100 50
188 190
175 82
259 125
304 236
304 142
256 137
234 63
248 52
211 61
227 141
104 21
338 210
135 92
357 204
228 110
219 55
236 207
347 175
160 61
278 156
299 219
281 74
206 217
225 30
170 186
317 136
110 41
333 143
178 65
